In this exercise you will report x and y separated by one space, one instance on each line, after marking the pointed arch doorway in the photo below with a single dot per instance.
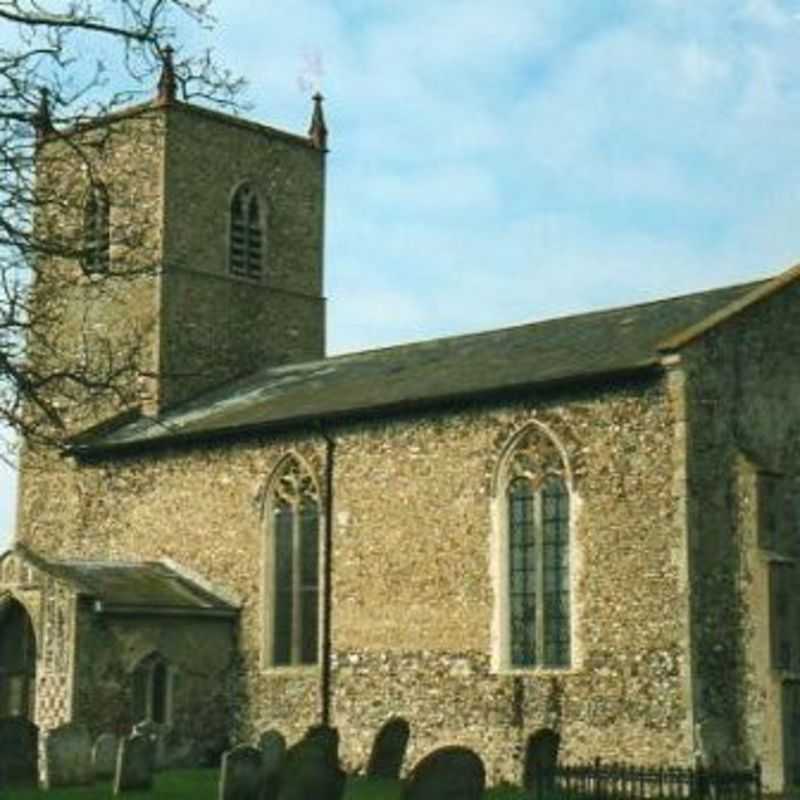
17 660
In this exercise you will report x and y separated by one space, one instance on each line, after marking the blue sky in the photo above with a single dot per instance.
494 163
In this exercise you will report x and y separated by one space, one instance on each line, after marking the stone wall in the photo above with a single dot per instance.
101 325
743 421
413 594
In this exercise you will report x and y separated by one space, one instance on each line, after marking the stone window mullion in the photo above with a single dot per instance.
538 518
297 615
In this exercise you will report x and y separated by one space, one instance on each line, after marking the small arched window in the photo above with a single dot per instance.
246 240
152 690
291 575
96 229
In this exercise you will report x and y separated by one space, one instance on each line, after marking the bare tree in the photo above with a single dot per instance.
62 63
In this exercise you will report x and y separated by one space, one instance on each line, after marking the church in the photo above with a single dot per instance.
586 525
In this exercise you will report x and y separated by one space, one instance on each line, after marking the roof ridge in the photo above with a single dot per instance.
516 326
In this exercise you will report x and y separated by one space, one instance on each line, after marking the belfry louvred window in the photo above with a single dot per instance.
96 229
246 234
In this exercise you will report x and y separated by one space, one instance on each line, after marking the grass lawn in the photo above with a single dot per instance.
201 784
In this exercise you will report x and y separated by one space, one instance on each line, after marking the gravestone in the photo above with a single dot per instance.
134 764
389 749
18 752
240 776
541 757
454 773
152 732
311 769
67 756
327 737
104 755
273 750
273 754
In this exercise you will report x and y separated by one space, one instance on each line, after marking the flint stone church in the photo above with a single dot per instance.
587 525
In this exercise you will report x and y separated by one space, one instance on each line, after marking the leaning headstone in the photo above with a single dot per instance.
389 750
18 752
104 755
541 757
311 770
449 773
134 764
67 756
240 776
273 753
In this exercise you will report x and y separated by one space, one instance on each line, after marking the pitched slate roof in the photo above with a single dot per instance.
121 587
582 348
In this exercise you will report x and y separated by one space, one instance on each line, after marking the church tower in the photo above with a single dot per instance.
199 252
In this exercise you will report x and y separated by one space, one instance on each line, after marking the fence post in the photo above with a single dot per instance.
598 783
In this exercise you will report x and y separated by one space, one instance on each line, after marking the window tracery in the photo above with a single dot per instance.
537 552
292 567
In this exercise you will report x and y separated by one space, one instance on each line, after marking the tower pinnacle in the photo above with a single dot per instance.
167 83
318 131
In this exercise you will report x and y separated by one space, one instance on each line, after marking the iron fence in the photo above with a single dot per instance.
608 781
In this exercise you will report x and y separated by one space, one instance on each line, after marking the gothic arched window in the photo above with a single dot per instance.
535 550
292 556
246 238
96 229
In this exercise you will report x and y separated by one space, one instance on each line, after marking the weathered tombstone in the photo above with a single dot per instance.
541 757
273 753
134 764
273 750
152 732
67 756
240 776
451 772
389 750
18 752
328 738
311 769
104 755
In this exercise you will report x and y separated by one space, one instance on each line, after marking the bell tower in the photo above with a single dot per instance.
242 246
198 247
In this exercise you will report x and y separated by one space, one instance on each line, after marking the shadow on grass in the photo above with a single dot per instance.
201 784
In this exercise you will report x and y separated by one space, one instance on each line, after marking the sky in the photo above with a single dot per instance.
497 163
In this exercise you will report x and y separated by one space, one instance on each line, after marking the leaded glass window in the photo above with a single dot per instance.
791 701
539 573
294 567
96 229
246 235
782 629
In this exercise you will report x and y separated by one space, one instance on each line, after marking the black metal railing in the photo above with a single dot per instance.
607 781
